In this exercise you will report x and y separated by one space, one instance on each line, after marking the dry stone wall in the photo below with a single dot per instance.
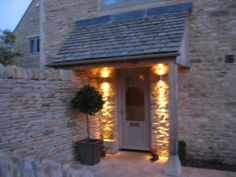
28 167
35 112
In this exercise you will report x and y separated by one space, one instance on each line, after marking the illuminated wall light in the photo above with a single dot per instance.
160 69
105 72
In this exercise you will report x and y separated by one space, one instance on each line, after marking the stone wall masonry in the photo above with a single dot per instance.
207 107
29 167
160 114
35 112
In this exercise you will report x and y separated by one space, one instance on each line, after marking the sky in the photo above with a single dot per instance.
11 12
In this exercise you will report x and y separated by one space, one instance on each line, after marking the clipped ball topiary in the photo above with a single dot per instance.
88 101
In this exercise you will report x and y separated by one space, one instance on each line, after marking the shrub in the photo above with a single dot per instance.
7 38
7 56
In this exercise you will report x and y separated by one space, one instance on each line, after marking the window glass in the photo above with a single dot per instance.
135 106
34 45
120 3
38 45
109 2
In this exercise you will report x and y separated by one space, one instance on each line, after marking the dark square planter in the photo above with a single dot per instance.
90 151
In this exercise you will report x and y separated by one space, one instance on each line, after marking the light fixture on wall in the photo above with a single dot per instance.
160 69
105 72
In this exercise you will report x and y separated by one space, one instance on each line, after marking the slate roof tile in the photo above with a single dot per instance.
153 31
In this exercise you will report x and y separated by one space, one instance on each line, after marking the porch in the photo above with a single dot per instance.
136 71
134 164
140 110
139 103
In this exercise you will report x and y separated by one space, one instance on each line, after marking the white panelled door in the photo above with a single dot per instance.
134 107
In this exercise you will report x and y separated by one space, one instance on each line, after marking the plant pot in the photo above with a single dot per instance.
90 151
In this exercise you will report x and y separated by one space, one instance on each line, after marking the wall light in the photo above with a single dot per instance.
105 72
160 69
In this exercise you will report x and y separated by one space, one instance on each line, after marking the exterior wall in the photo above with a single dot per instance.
160 114
207 108
35 112
27 28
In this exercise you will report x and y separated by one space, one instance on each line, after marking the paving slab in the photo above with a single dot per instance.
134 164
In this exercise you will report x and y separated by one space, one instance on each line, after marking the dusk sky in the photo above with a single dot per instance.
11 12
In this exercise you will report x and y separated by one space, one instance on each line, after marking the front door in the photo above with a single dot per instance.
134 106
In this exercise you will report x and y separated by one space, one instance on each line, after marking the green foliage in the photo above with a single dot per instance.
88 100
182 151
7 37
7 56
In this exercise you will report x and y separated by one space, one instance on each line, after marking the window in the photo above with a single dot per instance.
109 2
106 4
34 45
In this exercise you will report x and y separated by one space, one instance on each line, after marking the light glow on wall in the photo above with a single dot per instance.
161 112
107 122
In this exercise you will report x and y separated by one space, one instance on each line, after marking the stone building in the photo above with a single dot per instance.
27 37
164 68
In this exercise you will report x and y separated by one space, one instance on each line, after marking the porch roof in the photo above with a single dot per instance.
152 32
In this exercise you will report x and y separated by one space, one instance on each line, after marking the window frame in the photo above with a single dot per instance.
34 45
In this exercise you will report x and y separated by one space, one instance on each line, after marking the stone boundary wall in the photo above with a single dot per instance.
35 112
28 167
15 72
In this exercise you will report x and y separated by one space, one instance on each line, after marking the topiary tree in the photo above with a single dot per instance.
88 101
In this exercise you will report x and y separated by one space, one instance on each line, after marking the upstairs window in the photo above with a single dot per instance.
106 4
109 2
34 45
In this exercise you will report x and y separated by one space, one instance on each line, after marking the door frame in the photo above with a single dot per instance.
120 100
